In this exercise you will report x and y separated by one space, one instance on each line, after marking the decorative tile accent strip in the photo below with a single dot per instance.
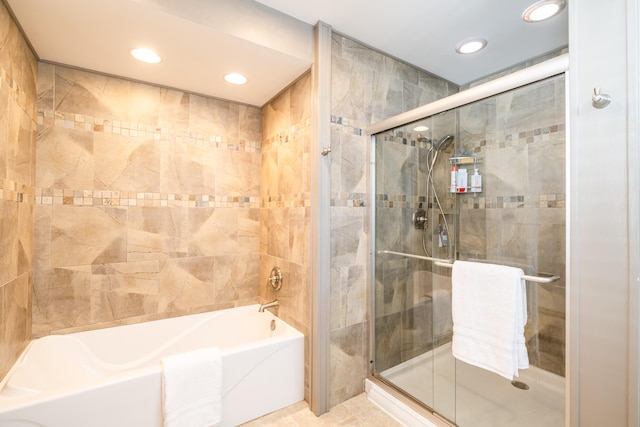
509 140
468 201
348 126
350 200
59 196
295 200
515 202
17 93
139 130
283 138
12 191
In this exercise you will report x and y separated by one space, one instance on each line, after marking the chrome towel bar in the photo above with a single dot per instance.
449 264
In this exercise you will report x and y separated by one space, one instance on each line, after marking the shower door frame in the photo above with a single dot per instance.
550 68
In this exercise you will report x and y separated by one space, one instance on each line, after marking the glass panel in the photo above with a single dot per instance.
519 220
414 216
516 141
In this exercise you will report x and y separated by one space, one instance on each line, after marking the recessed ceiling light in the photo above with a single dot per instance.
544 9
420 129
145 55
235 78
471 45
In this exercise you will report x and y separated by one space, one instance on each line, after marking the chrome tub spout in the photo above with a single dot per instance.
274 303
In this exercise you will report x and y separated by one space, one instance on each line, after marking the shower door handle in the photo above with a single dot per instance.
325 151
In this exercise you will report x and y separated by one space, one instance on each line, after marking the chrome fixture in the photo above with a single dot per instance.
273 303
600 100
419 219
443 143
275 279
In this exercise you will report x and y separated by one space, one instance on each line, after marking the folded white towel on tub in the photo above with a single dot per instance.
489 309
192 388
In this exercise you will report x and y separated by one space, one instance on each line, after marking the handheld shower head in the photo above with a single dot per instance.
444 142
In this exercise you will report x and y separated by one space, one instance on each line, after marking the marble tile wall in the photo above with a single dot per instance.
18 72
367 86
285 215
147 202
519 219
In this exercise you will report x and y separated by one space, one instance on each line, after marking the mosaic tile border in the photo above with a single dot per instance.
349 200
507 140
284 138
295 200
470 202
17 93
71 197
51 118
346 125
11 191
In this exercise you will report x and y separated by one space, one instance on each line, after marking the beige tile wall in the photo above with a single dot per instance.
17 155
367 86
147 202
285 217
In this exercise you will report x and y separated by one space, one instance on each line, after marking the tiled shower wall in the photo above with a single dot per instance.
147 202
285 221
520 217
18 69
367 86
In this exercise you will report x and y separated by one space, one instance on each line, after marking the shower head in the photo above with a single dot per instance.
443 143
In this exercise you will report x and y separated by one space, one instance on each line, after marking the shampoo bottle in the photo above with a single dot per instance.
462 181
476 182
454 178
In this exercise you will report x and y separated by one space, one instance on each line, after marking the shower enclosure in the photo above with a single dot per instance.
428 214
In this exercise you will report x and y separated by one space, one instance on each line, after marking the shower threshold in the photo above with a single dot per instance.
480 398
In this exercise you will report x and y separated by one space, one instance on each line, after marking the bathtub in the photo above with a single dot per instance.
112 377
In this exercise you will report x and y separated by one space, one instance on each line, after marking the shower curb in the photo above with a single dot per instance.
395 408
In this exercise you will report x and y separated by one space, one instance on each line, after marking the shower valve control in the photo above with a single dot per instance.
419 219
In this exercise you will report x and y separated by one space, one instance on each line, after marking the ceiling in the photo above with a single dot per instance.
271 41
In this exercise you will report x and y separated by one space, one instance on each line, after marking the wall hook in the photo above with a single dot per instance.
600 100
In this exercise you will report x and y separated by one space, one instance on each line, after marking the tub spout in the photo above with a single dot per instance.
273 303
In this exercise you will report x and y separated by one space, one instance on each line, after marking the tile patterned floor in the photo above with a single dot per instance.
355 412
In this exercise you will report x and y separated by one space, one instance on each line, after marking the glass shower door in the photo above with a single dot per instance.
414 224
516 140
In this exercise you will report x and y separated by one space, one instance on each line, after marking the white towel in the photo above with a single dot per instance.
489 310
191 388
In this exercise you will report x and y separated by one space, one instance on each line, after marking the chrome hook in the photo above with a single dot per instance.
600 100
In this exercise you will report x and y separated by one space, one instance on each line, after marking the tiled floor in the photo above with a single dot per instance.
357 412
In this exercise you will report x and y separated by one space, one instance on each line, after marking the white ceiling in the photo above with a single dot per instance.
271 41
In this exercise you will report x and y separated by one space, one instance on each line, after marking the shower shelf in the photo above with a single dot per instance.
463 160
449 264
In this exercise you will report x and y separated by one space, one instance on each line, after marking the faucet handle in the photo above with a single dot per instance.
275 279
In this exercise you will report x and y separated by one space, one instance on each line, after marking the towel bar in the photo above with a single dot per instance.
448 264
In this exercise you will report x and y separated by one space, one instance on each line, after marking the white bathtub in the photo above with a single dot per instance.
112 377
